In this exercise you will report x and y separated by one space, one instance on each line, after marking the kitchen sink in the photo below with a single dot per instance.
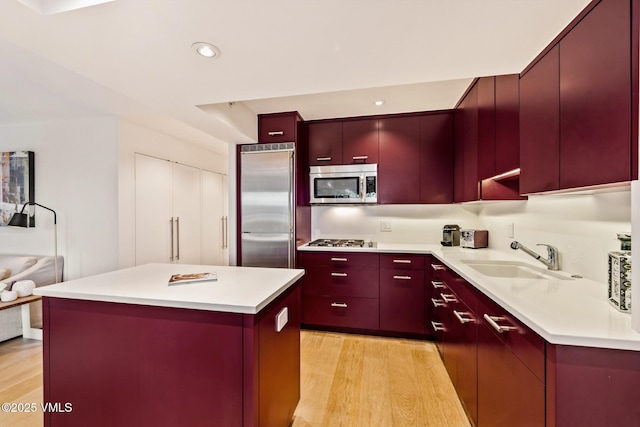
513 270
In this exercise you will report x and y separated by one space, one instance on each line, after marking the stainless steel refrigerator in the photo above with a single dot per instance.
267 205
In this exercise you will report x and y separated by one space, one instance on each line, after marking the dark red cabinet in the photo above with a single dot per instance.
486 140
499 377
340 290
595 98
402 293
360 141
399 163
578 115
325 143
508 392
507 145
455 303
278 127
436 158
466 182
540 125
486 157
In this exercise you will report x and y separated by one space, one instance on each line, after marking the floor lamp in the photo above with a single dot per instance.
23 220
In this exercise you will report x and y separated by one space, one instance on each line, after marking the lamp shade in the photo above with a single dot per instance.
21 220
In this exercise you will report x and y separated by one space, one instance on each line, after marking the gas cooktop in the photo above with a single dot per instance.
338 243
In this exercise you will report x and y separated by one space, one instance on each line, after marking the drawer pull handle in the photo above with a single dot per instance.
402 261
437 302
339 259
461 316
448 298
323 159
493 321
339 274
437 326
437 284
339 304
276 133
360 157
402 277
438 267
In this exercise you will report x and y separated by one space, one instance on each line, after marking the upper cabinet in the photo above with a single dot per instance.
399 165
278 127
436 157
578 116
413 151
325 143
343 142
486 140
360 141
540 125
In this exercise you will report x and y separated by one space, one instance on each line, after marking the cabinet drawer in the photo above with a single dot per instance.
344 312
347 282
402 261
277 128
340 259
527 345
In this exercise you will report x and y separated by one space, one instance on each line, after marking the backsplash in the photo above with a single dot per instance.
582 227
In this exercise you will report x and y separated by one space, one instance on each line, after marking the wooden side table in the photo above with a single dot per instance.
27 330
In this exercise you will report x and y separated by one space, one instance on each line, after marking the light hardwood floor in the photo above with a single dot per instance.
354 380
346 380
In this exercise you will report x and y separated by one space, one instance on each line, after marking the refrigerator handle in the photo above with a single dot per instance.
290 210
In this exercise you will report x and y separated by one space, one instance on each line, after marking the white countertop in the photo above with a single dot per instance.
568 312
238 289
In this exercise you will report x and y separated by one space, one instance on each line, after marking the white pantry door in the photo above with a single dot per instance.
215 219
187 213
154 209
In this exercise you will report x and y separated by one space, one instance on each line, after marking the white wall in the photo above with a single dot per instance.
582 227
76 175
409 223
137 139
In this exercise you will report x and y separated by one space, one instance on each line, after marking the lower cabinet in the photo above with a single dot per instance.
402 293
340 289
509 393
496 363
458 336
364 291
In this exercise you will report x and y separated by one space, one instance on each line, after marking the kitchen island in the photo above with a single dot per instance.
125 349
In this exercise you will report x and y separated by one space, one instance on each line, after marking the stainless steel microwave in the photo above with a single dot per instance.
344 184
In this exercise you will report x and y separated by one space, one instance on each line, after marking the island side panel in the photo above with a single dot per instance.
272 363
592 387
131 365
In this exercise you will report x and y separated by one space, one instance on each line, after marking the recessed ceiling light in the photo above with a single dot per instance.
379 102
206 49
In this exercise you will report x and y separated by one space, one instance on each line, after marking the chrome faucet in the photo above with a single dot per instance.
552 261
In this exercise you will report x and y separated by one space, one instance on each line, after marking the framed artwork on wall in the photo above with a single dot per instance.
17 179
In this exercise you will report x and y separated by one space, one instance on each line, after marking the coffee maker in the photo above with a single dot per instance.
451 235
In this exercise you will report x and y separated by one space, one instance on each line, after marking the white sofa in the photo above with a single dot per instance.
41 270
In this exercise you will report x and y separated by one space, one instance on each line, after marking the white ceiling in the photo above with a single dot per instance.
323 58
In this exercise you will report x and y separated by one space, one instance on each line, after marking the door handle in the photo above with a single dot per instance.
276 133
178 238
171 239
